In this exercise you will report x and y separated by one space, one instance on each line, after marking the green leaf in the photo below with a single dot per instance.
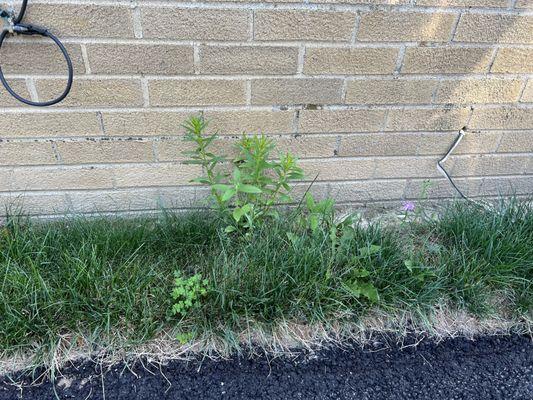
369 291
354 289
184 338
313 222
249 189
238 213
221 187
295 176
230 228
210 139
247 208
236 175
310 202
292 238
348 234
409 264
228 194
360 273
284 198
370 250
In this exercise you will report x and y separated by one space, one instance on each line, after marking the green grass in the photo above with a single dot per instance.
110 279
488 252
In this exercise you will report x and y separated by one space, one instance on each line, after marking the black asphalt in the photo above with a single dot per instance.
487 368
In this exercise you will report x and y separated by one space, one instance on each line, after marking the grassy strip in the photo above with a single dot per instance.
105 278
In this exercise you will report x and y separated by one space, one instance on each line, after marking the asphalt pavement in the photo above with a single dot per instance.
494 367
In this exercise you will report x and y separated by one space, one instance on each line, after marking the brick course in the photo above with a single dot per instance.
369 94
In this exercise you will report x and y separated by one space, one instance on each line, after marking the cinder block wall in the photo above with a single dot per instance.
368 93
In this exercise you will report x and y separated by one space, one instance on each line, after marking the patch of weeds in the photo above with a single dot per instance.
244 189
185 337
318 214
187 293
358 285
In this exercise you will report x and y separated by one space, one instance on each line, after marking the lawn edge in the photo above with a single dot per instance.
286 338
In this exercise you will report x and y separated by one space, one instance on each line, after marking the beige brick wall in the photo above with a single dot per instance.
369 94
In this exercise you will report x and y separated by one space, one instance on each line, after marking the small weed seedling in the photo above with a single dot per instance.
359 283
187 293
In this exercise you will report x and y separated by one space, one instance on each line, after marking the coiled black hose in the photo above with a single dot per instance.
26 29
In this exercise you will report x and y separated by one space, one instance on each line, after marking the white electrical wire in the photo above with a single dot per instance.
443 171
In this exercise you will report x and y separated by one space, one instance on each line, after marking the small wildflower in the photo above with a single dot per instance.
408 206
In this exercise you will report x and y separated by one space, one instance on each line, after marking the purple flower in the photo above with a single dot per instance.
408 206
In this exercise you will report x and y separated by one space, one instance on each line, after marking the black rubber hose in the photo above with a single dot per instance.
31 30
21 12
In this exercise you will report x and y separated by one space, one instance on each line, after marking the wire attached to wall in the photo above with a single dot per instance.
12 26
440 163
442 170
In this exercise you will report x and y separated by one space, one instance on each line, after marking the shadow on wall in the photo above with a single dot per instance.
493 158
478 78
